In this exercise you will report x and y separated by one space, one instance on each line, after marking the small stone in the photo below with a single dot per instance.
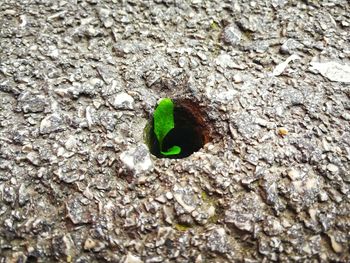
33 158
10 12
108 22
237 78
52 123
89 113
346 116
199 259
272 226
244 212
185 197
77 212
231 34
182 61
71 143
168 214
289 46
185 220
169 195
282 131
89 244
137 160
23 195
332 70
130 258
211 211
31 103
65 175
345 23
27 148
9 195
332 168
161 199
94 245
294 174
335 245
323 196
60 151
225 61
251 23
122 101
217 241
202 56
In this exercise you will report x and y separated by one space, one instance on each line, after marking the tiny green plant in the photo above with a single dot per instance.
163 123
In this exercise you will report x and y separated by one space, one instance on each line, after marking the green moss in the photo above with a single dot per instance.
205 196
181 227
214 219
208 201
214 26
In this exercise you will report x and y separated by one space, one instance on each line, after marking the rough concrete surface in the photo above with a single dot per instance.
80 79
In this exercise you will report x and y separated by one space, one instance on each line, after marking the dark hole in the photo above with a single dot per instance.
189 133
31 259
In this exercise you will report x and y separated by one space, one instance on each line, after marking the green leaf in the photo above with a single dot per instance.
164 123
163 119
172 151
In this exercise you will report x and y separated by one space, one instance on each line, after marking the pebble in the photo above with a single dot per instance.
52 123
89 244
232 35
332 168
282 131
130 258
237 78
289 46
335 245
294 174
33 158
161 199
217 241
77 212
169 195
182 61
31 103
332 70
225 61
137 160
122 101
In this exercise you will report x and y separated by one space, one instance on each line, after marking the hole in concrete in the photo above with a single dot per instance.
191 131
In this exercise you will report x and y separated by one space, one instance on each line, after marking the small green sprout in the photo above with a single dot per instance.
164 123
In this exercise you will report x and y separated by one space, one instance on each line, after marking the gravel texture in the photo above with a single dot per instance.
79 81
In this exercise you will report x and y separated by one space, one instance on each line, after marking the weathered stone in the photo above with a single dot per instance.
231 34
217 241
77 211
137 160
31 103
52 123
122 101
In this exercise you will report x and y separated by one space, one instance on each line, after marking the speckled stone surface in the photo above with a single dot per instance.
79 80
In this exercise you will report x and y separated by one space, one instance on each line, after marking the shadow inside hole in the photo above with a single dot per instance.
187 134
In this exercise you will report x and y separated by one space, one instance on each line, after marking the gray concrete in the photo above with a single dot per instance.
80 79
